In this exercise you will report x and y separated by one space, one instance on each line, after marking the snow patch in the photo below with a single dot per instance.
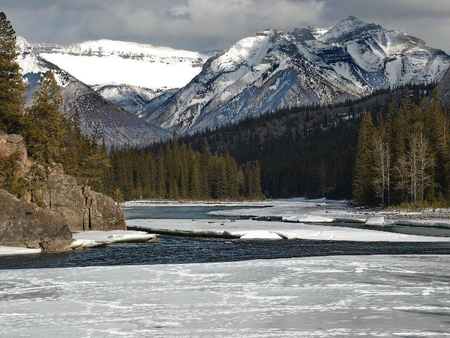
88 239
11 250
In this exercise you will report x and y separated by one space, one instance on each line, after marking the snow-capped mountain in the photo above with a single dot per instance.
98 115
126 73
307 66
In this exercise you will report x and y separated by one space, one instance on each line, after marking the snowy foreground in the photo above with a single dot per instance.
346 296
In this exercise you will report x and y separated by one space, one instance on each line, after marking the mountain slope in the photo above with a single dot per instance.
308 66
444 89
98 115
123 72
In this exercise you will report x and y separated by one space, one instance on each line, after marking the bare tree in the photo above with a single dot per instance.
418 162
382 162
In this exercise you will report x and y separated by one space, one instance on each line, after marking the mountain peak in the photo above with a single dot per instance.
344 27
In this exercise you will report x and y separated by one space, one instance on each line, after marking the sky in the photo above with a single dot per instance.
203 25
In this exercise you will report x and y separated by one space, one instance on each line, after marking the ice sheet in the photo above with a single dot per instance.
246 229
89 239
346 296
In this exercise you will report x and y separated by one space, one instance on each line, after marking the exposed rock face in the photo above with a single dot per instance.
444 89
102 212
64 197
13 144
64 207
24 224
83 208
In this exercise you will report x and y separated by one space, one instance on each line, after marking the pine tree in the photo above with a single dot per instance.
195 188
161 174
363 190
11 85
46 128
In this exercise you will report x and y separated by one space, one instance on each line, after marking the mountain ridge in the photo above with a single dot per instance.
308 66
100 118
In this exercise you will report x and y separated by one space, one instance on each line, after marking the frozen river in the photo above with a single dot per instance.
192 287
346 296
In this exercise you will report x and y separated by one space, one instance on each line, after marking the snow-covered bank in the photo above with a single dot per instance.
284 219
346 296
88 239
246 229
12 250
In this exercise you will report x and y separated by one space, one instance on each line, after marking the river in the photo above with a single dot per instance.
181 250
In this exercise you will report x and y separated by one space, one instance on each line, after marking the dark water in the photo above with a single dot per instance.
176 250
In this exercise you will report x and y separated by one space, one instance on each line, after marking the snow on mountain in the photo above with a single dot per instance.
276 69
131 98
98 115
106 62
126 73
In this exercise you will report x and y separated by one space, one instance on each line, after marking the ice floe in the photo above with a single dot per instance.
338 296
249 229
87 239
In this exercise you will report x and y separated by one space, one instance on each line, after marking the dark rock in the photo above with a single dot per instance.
83 208
25 224
66 199
444 89
103 212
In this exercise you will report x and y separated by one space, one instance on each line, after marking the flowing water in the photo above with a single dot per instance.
180 250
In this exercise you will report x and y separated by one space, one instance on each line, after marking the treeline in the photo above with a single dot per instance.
52 140
403 155
173 170
304 151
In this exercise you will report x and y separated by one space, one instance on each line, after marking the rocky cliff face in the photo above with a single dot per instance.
24 224
83 208
444 89
65 207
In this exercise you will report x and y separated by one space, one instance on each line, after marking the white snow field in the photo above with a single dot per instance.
249 229
346 296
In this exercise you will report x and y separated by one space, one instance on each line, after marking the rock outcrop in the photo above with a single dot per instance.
444 89
11 144
25 224
63 207
83 208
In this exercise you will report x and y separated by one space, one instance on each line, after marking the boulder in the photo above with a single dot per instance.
65 197
25 224
83 208
103 213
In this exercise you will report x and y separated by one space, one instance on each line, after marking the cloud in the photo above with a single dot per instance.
176 15
214 24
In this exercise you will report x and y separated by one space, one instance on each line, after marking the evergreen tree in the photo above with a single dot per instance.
195 187
161 174
11 85
46 128
363 189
